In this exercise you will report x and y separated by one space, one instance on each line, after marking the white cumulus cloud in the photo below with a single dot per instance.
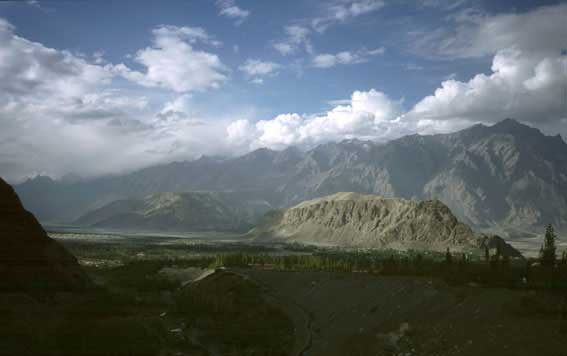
256 70
296 38
327 60
528 73
297 35
256 67
342 11
61 113
229 9
369 115
173 63
521 86
472 33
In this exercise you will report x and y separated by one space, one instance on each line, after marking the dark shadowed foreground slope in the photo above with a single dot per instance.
358 314
28 257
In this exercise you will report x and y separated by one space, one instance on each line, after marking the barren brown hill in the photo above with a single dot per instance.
193 211
28 257
371 221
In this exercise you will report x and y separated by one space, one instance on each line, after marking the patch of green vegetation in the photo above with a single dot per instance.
455 268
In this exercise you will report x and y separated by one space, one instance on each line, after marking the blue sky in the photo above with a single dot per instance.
120 28
179 78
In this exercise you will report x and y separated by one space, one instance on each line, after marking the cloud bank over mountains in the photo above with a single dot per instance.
60 112
528 82
528 78
368 115
66 112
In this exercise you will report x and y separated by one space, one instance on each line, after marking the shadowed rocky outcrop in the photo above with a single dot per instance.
29 259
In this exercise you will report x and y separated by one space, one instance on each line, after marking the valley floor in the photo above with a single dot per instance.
162 296
346 313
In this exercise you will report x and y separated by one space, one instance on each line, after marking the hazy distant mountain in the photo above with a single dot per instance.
196 211
29 259
370 221
504 177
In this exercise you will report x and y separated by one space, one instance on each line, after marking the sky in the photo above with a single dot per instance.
109 86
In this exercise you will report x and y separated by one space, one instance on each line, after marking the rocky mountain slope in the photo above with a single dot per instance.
370 221
196 211
506 178
28 257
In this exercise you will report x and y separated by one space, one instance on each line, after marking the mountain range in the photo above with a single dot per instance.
177 212
508 178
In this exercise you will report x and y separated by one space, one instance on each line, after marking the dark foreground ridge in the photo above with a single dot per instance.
29 259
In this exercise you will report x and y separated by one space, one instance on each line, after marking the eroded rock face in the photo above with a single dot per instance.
28 257
356 220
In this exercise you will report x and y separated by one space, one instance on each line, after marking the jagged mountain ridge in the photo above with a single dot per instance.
501 177
195 211
369 221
